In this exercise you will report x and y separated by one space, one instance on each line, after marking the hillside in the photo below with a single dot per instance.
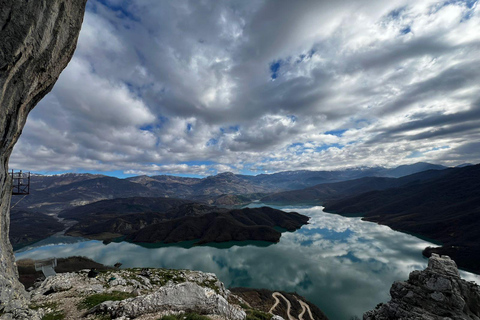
174 220
28 227
234 225
64 194
329 191
446 209
120 206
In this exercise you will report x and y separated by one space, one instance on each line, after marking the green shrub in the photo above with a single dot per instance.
95 299
257 315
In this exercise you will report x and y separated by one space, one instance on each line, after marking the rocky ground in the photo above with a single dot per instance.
144 294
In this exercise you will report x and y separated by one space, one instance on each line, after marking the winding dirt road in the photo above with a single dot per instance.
305 307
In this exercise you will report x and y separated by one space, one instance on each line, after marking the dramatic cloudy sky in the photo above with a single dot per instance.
199 87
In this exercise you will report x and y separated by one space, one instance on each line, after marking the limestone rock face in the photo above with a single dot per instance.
37 40
437 292
150 293
185 296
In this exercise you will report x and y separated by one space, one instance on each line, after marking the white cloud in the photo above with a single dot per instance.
191 87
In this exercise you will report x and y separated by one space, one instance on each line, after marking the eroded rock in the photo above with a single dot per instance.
437 292
162 292
187 296
37 40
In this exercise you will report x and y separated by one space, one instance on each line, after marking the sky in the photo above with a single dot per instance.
202 87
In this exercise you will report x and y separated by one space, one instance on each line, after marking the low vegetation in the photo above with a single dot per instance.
253 314
95 299
185 316
52 311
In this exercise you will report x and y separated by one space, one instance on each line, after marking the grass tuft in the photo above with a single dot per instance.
95 299
55 315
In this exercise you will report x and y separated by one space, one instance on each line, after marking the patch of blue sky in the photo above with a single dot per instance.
328 146
440 148
212 142
301 58
304 56
337 133
471 9
415 154
275 68
406 30
296 144
121 10
235 128
199 163
469 4
396 13
189 127
153 126
418 154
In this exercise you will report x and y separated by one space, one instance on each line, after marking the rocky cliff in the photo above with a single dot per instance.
437 292
37 40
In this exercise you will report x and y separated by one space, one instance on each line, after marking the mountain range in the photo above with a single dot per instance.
52 194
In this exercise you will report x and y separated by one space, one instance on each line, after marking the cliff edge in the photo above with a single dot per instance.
437 292
37 40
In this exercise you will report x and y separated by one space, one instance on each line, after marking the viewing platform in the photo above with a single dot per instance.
47 266
20 182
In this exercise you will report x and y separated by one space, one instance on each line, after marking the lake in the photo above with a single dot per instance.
344 265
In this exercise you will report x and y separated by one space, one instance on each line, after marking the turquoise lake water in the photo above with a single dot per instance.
344 265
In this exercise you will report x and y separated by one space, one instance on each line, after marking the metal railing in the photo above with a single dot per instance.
20 182
47 266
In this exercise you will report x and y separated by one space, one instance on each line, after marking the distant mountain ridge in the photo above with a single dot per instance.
321 193
52 194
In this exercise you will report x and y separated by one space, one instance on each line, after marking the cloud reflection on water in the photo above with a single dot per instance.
344 265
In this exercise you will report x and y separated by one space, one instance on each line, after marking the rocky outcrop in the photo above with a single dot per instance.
37 40
187 296
149 293
437 292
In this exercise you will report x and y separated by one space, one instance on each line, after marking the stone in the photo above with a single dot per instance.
193 291
187 296
37 40
438 292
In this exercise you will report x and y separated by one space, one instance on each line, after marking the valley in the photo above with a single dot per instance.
128 222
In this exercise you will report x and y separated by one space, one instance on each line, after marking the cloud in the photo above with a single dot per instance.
157 86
